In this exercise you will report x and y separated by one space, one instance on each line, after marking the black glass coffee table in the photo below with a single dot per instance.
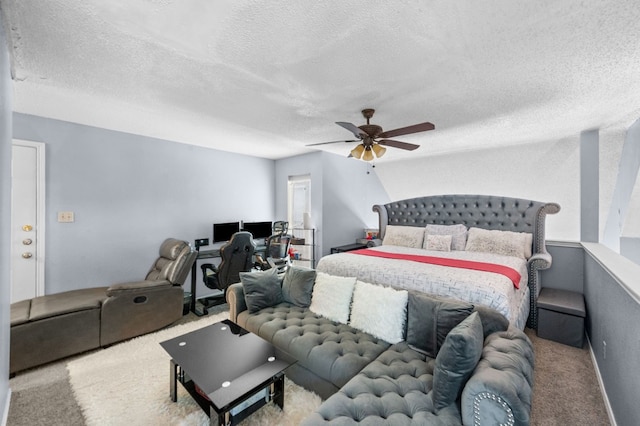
224 368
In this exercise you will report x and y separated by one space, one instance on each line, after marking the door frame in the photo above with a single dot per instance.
40 209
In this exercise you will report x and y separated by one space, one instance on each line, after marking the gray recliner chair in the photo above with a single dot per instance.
55 326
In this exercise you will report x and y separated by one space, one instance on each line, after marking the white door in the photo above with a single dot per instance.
27 220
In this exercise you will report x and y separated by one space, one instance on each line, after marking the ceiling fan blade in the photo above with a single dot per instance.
325 143
422 127
398 144
357 132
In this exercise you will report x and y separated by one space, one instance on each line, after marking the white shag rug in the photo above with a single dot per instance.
128 384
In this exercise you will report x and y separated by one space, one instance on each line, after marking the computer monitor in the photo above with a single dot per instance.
223 231
258 229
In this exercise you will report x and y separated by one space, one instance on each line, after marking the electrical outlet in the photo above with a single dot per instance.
65 217
202 242
604 350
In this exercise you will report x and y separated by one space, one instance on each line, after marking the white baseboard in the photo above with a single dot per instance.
607 405
5 412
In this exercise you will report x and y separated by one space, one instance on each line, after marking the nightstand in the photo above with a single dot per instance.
347 247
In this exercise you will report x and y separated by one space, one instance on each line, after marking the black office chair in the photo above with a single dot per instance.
276 253
237 256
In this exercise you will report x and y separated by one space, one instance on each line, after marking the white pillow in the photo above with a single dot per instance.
379 311
437 242
331 297
506 243
458 234
404 236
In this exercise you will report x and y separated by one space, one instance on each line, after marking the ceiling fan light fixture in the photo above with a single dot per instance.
368 154
373 140
378 150
357 151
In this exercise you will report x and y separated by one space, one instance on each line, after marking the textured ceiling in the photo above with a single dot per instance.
267 78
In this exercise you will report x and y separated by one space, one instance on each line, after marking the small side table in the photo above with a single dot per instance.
347 247
561 316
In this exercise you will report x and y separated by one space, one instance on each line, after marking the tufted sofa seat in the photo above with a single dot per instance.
334 352
394 389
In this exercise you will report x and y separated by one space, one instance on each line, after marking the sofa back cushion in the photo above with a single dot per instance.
429 320
379 311
297 285
331 297
456 361
262 289
492 320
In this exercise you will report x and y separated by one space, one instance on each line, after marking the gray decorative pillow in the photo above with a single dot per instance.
297 285
403 236
492 320
429 320
262 289
458 234
456 361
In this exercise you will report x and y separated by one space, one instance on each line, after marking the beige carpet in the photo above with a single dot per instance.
128 384
566 391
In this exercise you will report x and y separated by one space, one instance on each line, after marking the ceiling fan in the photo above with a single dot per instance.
371 146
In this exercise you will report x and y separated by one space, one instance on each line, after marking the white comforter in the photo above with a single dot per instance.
478 287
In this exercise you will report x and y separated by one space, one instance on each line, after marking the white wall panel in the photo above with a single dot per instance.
548 171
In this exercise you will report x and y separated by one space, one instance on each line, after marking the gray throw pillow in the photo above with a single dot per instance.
297 285
262 289
429 320
492 320
456 361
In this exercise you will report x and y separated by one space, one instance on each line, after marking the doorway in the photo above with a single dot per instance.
27 219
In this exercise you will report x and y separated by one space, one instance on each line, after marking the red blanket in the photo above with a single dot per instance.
508 272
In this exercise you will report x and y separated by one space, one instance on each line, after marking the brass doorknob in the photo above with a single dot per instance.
27 255
27 241
27 228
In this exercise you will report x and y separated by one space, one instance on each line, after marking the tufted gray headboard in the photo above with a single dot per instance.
481 211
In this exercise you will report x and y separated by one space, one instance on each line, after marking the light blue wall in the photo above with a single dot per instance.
630 248
613 316
5 219
351 188
342 193
567 267
307 164
129 193
589 186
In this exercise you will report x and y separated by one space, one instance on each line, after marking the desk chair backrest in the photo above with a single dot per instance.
278 251
280 227
174 262
237 256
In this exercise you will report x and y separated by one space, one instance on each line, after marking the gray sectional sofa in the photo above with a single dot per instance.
445 371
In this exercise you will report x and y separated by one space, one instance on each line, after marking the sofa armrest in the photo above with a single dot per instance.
235 299
499 390
127 288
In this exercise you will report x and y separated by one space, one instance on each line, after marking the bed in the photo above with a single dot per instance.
495 265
